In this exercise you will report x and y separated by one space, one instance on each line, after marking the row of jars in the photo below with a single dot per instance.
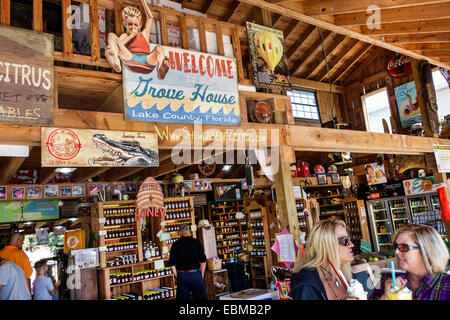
354 229
227 229
229 242
149 274
150 249
258 252
302 223
182 214
120 277
122 260
257 233
255 224
116 219
302 214
172 240
121 246
228 223
159 293
299 205
258 242
118 210
173 226
350 205
255 214
177 203
120 233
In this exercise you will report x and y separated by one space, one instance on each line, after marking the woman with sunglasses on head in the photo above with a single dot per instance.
422 253
324 272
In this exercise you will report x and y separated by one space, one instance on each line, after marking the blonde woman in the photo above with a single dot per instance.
324 272
422 253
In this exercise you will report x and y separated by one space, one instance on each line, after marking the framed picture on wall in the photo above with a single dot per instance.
322 178
335 179
2 192
65 191
18 193
51 191
34 192
78 190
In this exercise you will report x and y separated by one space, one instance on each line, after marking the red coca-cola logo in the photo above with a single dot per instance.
398 66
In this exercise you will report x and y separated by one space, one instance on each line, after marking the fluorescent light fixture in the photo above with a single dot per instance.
73 219
226 167
14 151
65 170
28 223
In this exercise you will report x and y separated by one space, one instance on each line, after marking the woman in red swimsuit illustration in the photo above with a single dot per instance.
133 47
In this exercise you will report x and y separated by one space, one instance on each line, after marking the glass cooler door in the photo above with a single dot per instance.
399 213
380 225
417 205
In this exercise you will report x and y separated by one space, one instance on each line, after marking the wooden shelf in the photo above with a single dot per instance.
324 197
330 205
106 239
139 281
135 249
118 225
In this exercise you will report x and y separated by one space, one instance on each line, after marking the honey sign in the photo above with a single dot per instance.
418 185
26 76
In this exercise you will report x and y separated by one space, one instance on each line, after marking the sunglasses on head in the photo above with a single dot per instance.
403 247
344 241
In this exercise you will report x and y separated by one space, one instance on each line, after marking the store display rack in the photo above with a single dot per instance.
231 233
304 217
356 221
259 243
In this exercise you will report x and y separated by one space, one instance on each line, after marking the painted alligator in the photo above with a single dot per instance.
125 153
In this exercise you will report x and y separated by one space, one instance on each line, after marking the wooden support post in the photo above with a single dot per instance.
38 24
119 28
184 33
5 12
219 40
421 99
202 32
95 32
67 32
164 34
237 54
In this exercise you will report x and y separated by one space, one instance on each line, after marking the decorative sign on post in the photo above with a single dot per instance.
366 247
398 66
408 107
166 84
150 200
96 148
442 155
268 58
26 76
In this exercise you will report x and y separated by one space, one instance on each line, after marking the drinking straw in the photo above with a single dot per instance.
334 269
393 273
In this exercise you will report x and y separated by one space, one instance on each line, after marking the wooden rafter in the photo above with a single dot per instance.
236 5
314 47
84 174
419 38
342 30
416 13
355 60
333 58
368 59
290 31
329 46
46 175
207 8
427 46
413 28
309 32
326 7
10 168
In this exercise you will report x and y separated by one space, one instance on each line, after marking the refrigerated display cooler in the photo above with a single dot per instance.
386 216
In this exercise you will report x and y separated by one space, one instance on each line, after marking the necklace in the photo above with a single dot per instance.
338 284
328 282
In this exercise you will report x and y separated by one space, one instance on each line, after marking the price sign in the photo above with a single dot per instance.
86 258
442 155
366 247
101 220
159 264
102 233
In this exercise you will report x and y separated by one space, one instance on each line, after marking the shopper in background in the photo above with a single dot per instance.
13 285
324 271
13 252
422 253
188 264
43 288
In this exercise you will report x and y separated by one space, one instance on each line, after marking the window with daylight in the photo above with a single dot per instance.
376 108
304 104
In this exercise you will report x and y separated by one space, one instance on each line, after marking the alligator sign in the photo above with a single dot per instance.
62 147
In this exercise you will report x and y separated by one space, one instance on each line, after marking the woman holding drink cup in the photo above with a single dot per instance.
422 253
324 273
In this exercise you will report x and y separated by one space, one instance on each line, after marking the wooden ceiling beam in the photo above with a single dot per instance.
326 7
10 168
371 55
84 174
277 20
314 85
416 13
329 46
310 31
46 175
291 30
409 28
436 53
208 6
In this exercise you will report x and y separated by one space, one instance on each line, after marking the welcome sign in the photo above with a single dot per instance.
197 87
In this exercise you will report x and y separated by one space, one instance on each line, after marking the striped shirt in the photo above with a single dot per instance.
432 287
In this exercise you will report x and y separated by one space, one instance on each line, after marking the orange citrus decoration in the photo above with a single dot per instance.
427 185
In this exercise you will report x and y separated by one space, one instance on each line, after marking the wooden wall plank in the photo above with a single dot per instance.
237 54
67 33
38 20
202 32
164 33
184 33
219 40
95 32
118 23
5 12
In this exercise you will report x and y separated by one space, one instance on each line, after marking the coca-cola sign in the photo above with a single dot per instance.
398 66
